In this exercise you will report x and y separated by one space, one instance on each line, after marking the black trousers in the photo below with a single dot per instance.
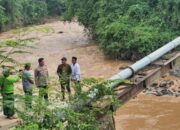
65 86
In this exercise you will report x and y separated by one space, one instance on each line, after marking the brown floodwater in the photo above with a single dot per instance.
146 112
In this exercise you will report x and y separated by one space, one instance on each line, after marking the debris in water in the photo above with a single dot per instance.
175 72
165 87
60 32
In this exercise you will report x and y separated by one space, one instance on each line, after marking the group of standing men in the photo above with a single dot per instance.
65 72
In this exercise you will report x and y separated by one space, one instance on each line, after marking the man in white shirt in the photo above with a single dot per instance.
76 75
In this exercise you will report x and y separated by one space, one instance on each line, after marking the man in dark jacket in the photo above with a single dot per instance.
64 73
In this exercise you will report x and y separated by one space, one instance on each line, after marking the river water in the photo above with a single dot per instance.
145 112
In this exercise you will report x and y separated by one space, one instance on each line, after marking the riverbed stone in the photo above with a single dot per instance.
163 84
158 94
175 72
166 84
155 85
164 88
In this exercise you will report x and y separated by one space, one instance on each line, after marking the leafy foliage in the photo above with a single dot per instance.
16 45
55 7
11 47
62 116
128 29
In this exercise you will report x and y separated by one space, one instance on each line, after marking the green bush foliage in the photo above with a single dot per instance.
23 12
72 115
128 29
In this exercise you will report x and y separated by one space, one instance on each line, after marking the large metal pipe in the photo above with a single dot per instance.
130 71
147 60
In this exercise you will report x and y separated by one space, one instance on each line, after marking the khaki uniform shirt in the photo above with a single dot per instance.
41 76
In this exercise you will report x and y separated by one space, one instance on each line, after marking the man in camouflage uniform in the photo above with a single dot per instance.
64 72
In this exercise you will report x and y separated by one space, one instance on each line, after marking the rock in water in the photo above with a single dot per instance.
163 84
155 85
175 72
164 92
166 84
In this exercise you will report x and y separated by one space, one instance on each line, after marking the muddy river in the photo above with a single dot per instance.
145 112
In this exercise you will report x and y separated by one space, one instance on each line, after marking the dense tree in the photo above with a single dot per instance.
34 10
55 7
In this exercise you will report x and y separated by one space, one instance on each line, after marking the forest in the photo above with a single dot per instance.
128 29
15 13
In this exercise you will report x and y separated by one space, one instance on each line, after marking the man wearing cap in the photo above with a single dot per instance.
64 72
7 91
